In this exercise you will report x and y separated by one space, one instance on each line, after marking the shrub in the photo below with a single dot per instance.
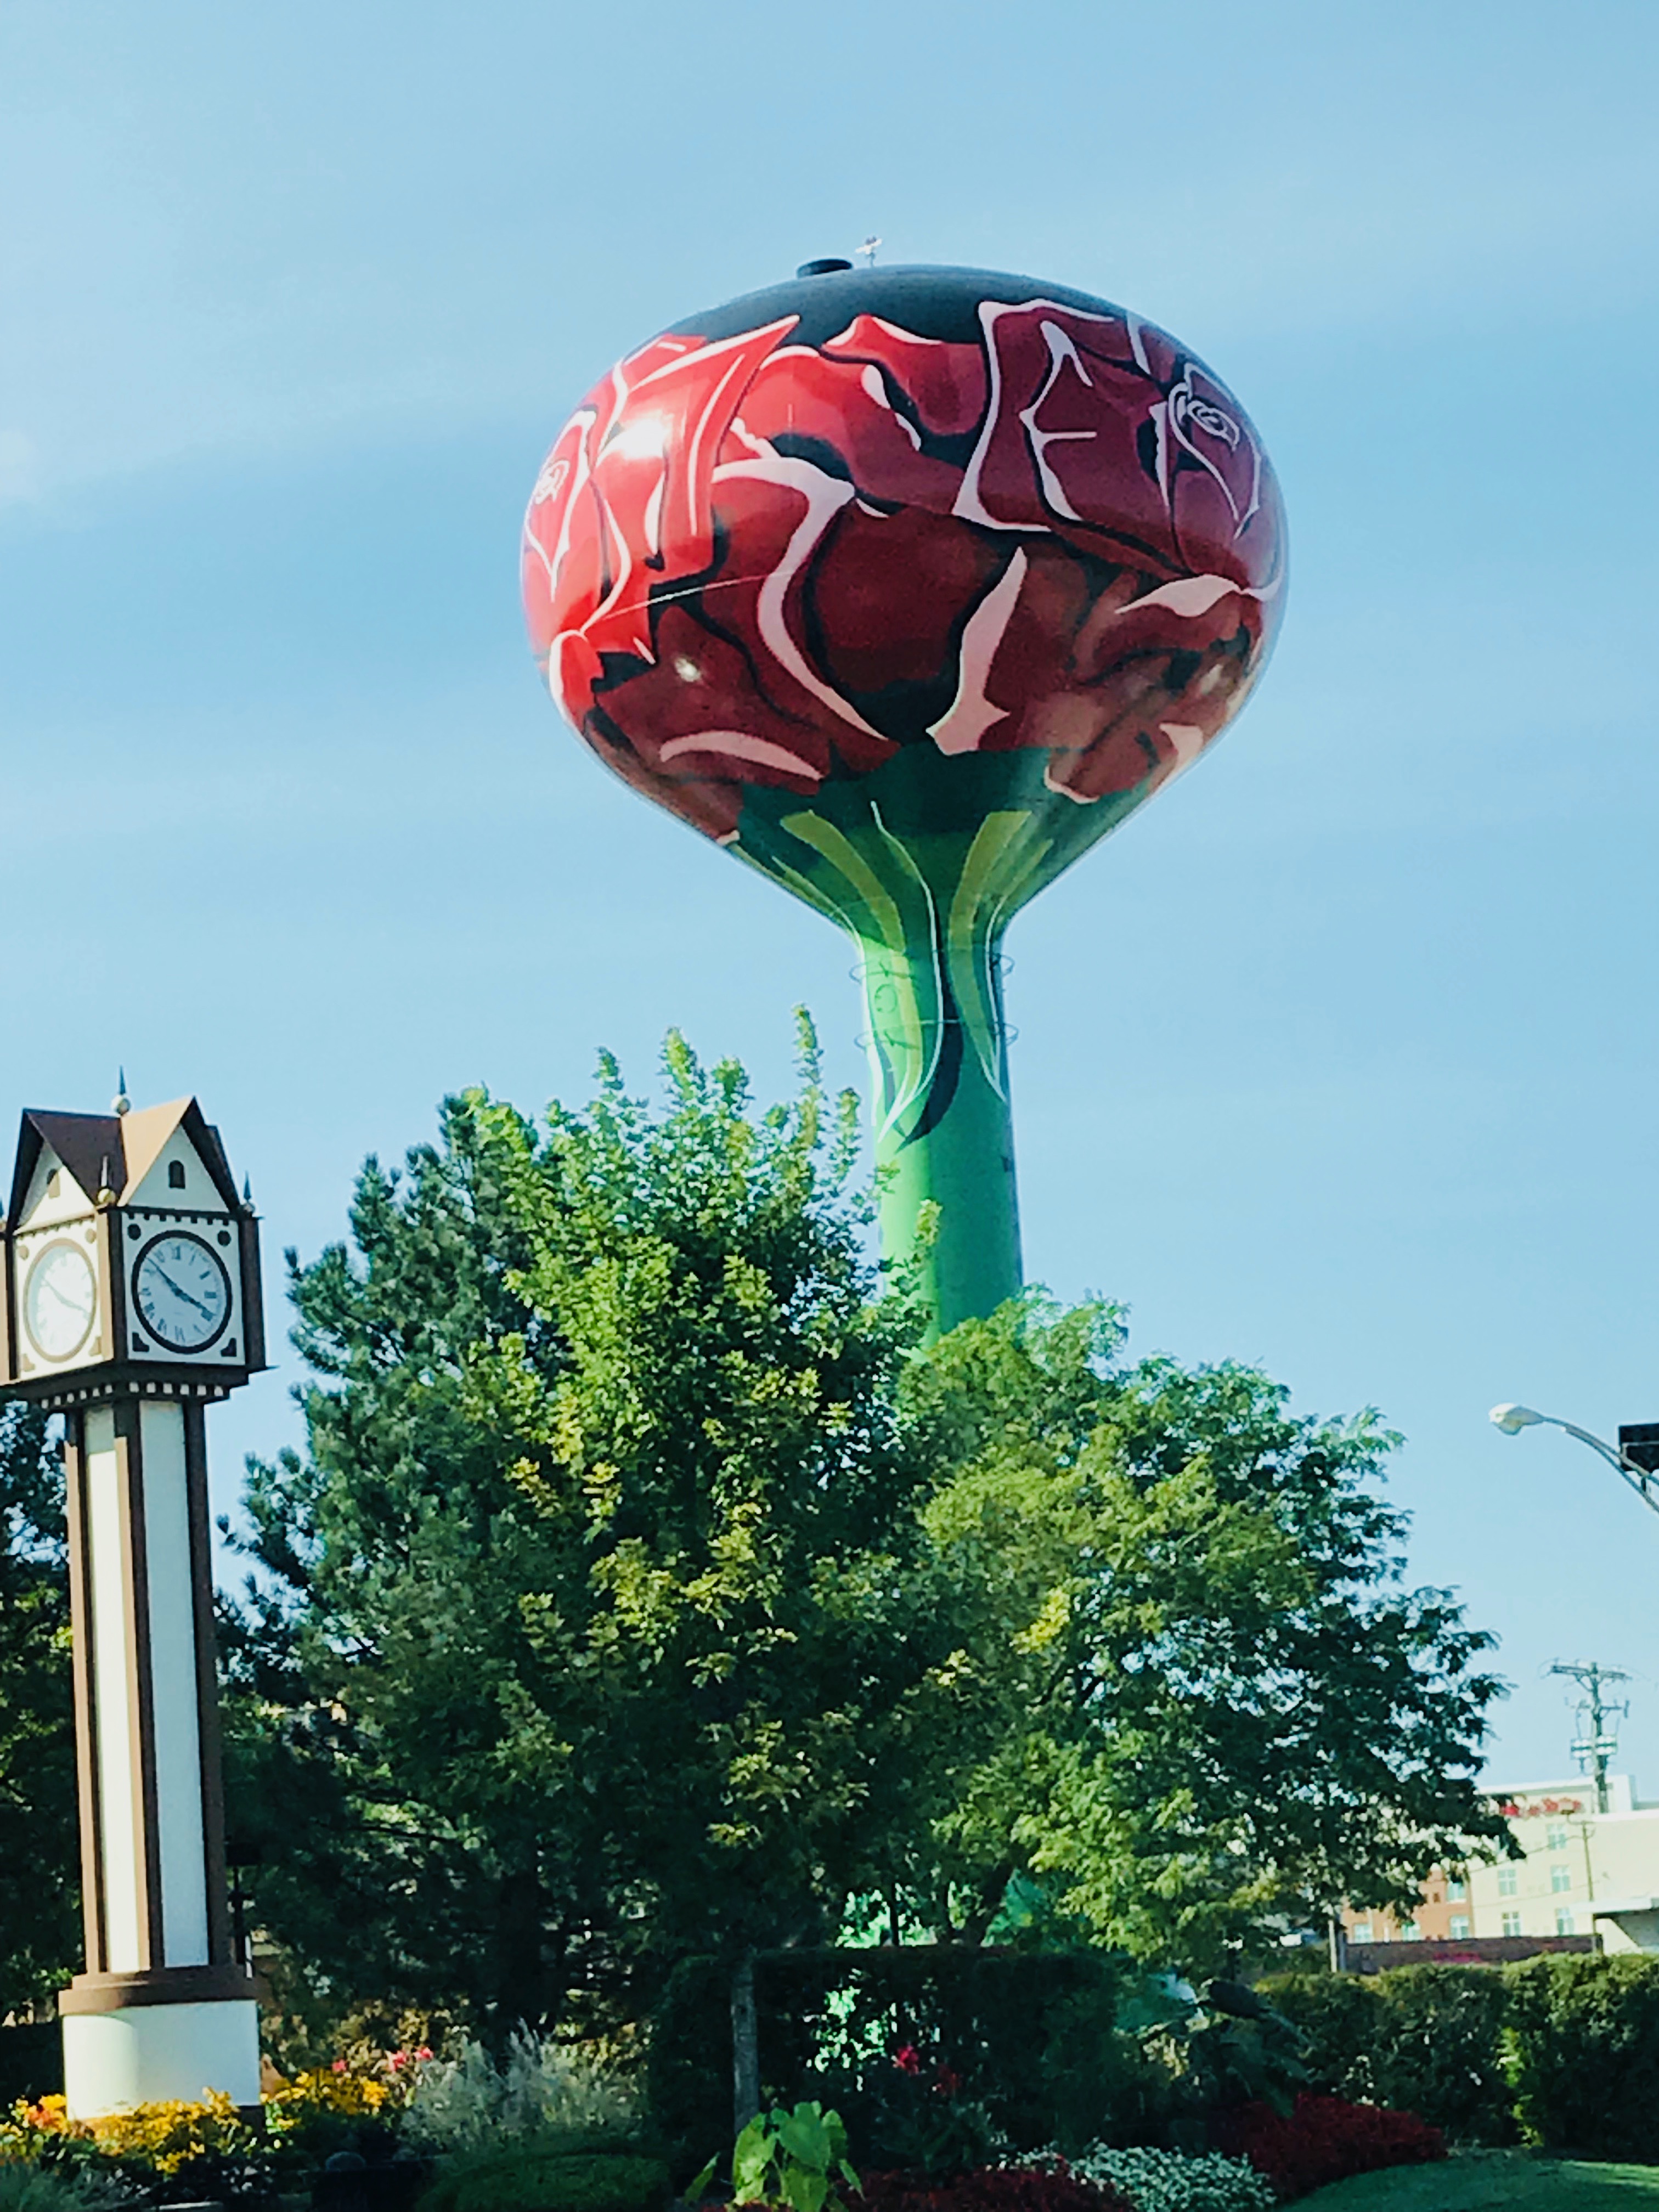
1030 2037
1584 2054
1440 2050
1339 2018
27 2187
541 2088
1171 2181
1052 2187
531 2179
1326 2139
1425 2040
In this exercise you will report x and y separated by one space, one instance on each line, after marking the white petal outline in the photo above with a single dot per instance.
969 504
739 746
825 497
971 714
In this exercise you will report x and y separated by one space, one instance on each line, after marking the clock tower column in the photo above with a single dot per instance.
132 1302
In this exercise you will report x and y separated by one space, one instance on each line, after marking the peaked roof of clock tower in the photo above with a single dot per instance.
118 1148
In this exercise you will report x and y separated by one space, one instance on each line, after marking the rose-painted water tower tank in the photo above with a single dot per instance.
908 585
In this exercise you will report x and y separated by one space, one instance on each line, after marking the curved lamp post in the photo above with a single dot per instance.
1513 1418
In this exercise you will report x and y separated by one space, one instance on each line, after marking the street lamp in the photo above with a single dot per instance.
1513 1418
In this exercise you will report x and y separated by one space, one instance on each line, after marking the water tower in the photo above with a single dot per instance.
907 584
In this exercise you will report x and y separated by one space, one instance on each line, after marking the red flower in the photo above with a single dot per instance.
908 2059
1324 2140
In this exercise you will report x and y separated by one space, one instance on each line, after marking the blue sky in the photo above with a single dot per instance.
1339 1058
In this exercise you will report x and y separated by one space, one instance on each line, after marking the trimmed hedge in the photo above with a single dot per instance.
1427 2040
1583 2037
1561 2049
529 2179
1029 2036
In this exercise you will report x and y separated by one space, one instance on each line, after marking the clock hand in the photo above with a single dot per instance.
179 1291
74 1306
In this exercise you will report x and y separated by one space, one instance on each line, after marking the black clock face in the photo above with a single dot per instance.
181 1290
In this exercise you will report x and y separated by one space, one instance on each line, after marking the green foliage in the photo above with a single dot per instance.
531 2177
39 1849
1231 2047
1338 2017
1439 2050
27 2186
1425 2040
539 2088
1172 2181
583 1638
1217 1701
792 2159
645 1595
1584 2054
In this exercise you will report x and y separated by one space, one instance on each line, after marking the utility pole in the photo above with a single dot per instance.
1597 1745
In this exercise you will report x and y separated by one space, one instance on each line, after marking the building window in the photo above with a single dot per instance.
1560 1878
1362 1931
1459 1924
1506 1881
1457 1890
1555 1836
175 1175
1409 1931
1563 1921
1511 1924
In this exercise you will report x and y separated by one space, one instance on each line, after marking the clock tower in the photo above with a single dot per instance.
130 1301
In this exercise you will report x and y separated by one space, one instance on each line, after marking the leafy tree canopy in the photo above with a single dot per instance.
1219 1702
40 1857
585 1631
645 1589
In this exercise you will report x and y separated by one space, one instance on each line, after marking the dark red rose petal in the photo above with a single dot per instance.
888 592
842 407
945 383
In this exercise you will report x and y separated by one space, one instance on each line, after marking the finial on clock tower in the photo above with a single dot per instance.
121 1104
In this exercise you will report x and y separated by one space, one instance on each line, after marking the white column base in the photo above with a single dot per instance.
143 2054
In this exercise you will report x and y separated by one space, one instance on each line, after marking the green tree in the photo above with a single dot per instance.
1219 1703
645 1591
586 1633
39 1848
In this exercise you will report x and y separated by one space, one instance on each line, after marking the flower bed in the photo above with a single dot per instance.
1325 2139
990 2188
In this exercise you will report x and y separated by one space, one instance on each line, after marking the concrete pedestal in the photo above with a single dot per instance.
143 2054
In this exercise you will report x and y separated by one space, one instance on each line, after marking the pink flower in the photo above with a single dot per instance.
908 2059
339 2066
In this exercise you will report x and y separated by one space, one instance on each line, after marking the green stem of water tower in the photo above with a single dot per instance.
944 1146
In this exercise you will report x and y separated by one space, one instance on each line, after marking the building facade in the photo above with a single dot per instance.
1584 1873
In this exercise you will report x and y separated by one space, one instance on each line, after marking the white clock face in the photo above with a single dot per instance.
182 1292
60 1300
